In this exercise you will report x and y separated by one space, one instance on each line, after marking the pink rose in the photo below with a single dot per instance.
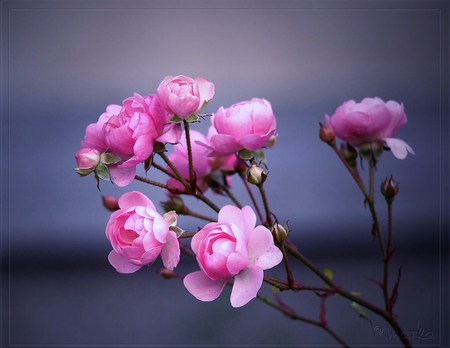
203 164
371 120
87 158
232 247
130 131
138 234
183 96
245 125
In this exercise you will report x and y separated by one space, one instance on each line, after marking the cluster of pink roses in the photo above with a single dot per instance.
233 247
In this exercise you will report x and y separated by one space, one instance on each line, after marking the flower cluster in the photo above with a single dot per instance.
241 243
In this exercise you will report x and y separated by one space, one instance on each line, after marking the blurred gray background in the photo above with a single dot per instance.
64 62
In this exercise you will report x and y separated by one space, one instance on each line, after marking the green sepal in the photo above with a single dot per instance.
260 156
102 171
175 119
83 172
246 155
178 231
109 158
192 118
148 163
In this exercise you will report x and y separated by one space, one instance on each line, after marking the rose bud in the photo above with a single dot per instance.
110 203
326 132
389 188
279 233
256 175
87 158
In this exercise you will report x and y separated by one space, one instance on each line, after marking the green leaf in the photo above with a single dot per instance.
358 310
328 272
109 158
83 172
102 171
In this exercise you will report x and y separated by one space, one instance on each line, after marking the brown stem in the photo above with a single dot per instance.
291 314
164 170
232 197
384 314
192 181
158 184
189 212
177 174
252 197
266 205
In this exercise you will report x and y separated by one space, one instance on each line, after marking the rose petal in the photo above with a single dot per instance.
170 253
122 176
246 286
262 251
121 263
232 215
203 288
224 144
133 199
398 147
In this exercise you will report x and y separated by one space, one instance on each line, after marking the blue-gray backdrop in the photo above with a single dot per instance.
64 62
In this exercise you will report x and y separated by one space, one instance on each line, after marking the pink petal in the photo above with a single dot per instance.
254 142
206 90
150 255
200 235
398 147
203 288
246 286
233 215
237 262
171 133
262 252
133 199
249 218
170 253
143 147
122 176
224 144
121 263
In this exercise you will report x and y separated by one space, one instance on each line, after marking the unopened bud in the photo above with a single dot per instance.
110 203
279 233
174 203
256 175
349 154
326 133
167 273
87 158
389 188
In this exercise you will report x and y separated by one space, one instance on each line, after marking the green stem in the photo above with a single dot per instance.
375 309
158 184
290 313
192 180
